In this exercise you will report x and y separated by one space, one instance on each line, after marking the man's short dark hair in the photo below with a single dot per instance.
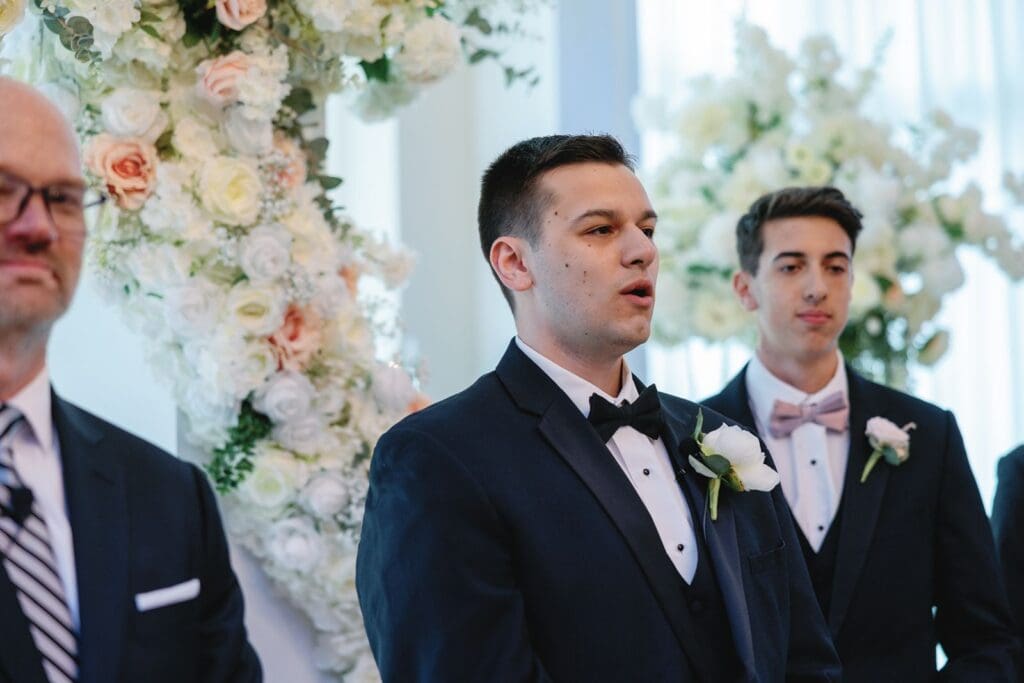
790 202
510 200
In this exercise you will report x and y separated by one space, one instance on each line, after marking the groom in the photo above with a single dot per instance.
902 558
507 538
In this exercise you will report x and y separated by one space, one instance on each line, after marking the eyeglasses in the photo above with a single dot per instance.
65 203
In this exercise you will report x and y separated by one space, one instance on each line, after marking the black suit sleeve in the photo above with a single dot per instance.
226 654
1008 525
971 616
435 572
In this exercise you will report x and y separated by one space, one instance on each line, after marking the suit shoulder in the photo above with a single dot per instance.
135 451
916 407
456 413
1012 464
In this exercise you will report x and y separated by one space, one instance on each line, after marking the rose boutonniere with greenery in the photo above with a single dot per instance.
888 441
732 455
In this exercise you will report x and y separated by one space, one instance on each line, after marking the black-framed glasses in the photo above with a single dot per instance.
65 202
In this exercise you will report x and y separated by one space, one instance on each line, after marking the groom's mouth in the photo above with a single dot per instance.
639 292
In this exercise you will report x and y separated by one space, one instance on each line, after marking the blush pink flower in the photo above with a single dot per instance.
219 77
237 14
298 338
127 167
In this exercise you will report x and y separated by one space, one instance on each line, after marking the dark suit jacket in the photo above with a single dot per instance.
911 538
1008 524
140 520
502 542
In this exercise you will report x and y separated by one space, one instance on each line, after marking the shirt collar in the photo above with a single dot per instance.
575 387
33 401
764 388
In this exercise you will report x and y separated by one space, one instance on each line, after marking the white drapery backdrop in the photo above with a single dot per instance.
957 55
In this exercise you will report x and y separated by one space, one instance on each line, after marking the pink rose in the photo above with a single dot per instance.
298 338
126 165
218 78
237 14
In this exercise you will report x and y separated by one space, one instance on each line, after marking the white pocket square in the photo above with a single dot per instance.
171 595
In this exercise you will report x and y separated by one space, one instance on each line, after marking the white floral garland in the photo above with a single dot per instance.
201 121
782 121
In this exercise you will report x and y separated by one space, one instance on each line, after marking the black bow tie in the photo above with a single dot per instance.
643 416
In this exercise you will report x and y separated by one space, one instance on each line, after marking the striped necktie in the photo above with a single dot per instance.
30 565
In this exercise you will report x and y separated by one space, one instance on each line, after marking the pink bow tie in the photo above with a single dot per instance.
831 412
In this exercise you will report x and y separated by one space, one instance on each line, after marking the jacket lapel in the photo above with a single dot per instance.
571 436
719 535
861 503
98 511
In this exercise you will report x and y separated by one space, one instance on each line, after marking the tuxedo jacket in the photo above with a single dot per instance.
502 542
141 520
1008 525
913 538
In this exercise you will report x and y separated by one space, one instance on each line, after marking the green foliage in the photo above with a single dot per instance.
379 70
232 462
74 33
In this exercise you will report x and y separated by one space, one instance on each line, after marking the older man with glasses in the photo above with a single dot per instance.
114 563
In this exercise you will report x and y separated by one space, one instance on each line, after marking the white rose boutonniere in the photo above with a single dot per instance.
733 455
889 441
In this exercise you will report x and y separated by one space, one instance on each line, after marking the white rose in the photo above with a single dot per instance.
194 139
942 275
743 451
717 240
922 241
273 480
130 112
326 494
249 136
257 310
264 254
11 12
192 309
392 387
231 190
431 49
286 397
295 544
306 434
883 434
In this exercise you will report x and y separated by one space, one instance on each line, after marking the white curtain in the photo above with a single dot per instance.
962 56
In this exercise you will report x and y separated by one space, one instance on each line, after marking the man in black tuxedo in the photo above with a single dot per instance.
114 563
506 540
1008 525
912 537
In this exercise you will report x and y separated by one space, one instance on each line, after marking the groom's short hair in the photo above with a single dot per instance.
791 202
511 202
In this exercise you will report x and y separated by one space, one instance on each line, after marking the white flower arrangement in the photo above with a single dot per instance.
783 121
201 120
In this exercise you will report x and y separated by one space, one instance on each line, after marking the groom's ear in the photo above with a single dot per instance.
508 259
741 284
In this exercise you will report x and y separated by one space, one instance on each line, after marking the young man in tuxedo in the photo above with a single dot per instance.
507 538
903 559
114 563
1008 527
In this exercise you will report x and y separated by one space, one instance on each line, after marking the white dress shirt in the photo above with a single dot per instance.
36 453
811 461
643 460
